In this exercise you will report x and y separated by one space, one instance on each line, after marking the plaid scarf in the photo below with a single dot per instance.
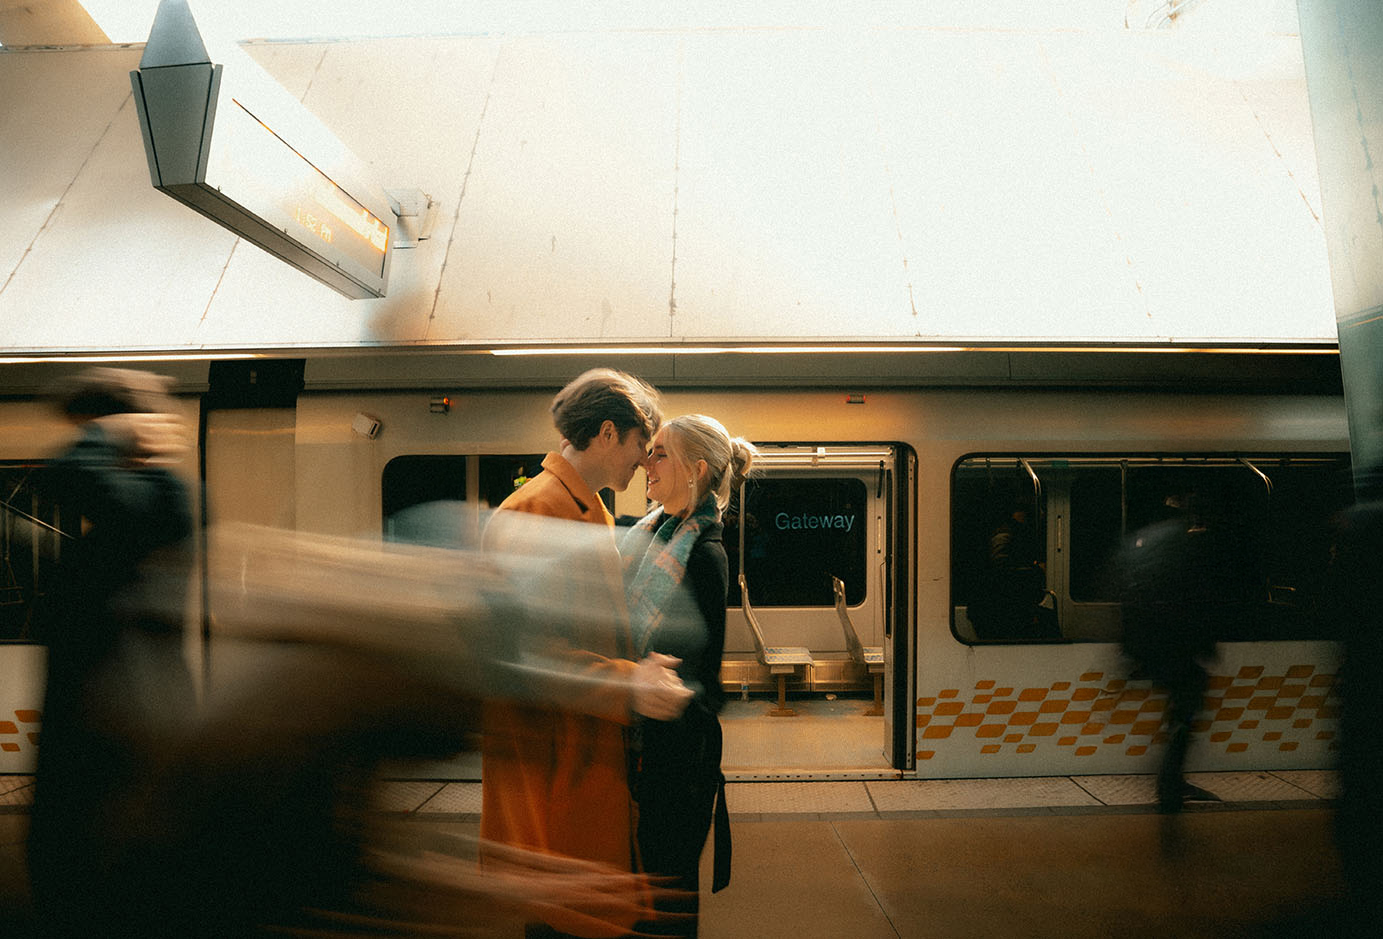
655 564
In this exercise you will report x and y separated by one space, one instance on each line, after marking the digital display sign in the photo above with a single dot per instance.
222 137
266 175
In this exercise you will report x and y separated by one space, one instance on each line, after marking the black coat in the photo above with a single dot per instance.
117 682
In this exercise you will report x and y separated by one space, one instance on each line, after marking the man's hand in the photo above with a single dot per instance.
658 692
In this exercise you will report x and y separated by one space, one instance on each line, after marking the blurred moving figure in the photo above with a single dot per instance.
252 814
1358 607
1177 582
332 655
677 578
556 780
116 677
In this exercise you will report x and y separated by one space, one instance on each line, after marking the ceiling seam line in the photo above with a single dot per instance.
47 221
460 200
676 182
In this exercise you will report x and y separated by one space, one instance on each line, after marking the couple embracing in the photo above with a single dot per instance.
628 774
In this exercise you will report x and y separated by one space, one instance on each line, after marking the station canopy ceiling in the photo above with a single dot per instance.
87 22
1107 170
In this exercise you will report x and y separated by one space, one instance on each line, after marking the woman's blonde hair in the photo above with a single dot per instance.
693 437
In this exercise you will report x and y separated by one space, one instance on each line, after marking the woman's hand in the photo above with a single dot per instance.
658 692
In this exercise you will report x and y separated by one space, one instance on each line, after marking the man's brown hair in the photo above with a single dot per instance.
604 394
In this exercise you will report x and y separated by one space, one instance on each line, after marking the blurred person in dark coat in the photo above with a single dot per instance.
250 812
1178 581
116 676
1357 605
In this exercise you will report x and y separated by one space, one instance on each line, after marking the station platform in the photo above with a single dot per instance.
1071 857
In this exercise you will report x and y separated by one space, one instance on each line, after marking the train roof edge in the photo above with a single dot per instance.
1308 369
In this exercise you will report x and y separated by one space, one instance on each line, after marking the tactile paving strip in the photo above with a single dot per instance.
1229 787
455 799
16 790
797 798
1247 787
1321 783
403 796
920 795
1120 790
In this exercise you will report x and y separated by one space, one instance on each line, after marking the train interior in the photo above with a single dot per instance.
815 560
1064 522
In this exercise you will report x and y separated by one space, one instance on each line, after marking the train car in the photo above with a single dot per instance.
862 540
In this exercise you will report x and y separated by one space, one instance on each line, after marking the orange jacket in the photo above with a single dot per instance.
556 780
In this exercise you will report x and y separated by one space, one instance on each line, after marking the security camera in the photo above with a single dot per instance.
365 425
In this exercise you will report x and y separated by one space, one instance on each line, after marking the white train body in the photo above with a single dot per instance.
954 706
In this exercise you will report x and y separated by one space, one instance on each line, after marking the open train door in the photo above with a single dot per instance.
900 677
822 536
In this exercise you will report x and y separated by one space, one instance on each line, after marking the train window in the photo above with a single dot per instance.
1297 548
1107 505
999 550
502 474
1056 571
799 532
420 493
1097 532
29 550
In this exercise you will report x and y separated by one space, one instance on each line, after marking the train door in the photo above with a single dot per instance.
818 538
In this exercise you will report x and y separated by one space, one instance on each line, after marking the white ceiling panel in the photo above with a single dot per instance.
785 225
566 228
709 184
1217 233
119 265
1006 230
37 163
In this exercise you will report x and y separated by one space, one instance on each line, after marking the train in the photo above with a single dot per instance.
860 540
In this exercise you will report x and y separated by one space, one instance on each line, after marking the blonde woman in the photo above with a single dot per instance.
676 578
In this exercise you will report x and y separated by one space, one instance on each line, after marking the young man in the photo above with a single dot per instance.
556 779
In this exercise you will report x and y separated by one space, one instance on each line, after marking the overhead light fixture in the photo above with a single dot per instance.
884 349
78 358
713 350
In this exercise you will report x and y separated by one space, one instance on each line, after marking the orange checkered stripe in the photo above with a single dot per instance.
1249 709
15 734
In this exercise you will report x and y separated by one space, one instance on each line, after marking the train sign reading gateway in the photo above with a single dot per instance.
806 521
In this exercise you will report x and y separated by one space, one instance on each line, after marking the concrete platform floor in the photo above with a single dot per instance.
1205 874
1227 870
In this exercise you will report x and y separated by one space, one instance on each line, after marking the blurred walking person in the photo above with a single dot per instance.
1178 585
117 682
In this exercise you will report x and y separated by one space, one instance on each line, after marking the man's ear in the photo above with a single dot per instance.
609 433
